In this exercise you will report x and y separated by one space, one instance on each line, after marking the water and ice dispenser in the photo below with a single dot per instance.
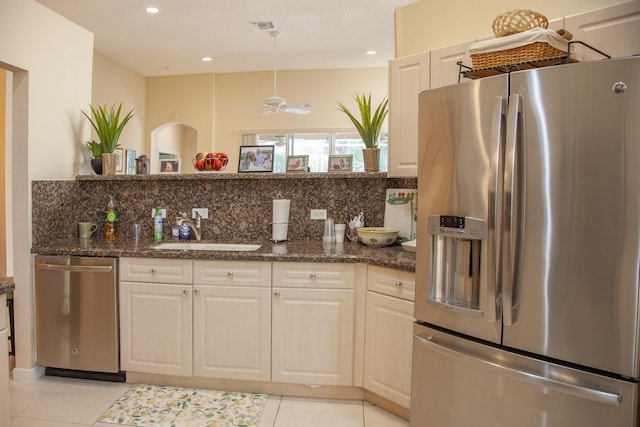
457 243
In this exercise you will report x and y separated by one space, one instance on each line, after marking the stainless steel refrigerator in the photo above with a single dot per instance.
528 256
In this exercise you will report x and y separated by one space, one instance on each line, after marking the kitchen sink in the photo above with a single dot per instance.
203 246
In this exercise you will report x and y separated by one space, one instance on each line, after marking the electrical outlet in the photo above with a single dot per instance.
163 211
204 213
318 214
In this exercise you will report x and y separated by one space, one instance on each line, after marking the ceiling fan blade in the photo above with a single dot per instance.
267 109
297 108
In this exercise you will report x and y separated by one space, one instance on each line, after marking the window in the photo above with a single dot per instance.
318 146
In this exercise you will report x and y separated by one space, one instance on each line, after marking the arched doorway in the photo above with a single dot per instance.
173 141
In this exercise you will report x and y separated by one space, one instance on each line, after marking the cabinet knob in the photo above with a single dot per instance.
312 275
276 294
398 284
185 292
154 270
230 273
196 290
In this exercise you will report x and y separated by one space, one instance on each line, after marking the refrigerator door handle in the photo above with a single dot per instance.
454 352
510 211
498 115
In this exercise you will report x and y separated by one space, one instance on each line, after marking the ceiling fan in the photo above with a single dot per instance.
276 103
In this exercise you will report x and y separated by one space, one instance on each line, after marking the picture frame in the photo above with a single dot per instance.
130 162
297 163
170 166
119 159
256 158
340 163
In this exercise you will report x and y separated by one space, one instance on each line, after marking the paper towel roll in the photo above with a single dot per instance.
279 232
281 211
280 221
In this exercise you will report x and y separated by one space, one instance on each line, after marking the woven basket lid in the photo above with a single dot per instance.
517 21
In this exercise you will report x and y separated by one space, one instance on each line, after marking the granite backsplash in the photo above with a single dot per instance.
240 205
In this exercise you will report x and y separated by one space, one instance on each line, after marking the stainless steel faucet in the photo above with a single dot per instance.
184 219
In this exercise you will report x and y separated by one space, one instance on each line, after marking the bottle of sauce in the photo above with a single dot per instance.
111 219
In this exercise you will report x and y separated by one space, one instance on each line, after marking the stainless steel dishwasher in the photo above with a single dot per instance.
77 316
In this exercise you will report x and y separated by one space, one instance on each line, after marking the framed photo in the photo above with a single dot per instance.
170 166
119 159
256 158
340 162
297 163
130 165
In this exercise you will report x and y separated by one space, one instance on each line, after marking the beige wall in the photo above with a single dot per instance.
430 24
221 106
187 98
239 100
50 59
112 84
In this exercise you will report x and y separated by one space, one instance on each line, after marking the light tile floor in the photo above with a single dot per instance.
65 402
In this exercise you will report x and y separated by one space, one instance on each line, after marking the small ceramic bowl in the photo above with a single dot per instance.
377 237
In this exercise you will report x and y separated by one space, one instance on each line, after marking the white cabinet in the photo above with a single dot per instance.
408 76
444 64
5 410
196 318
389 334
232 320
614 30
155 316
313 311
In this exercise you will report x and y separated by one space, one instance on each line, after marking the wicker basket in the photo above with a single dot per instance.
371 159
531 52
108 164
517 21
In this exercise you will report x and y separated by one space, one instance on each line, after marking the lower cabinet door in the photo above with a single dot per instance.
388 347
155 328
312 336
232 332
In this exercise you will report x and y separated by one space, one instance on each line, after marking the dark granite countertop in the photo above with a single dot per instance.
6 285
304 251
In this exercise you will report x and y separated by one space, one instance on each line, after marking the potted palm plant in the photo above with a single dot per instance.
368 127
108 126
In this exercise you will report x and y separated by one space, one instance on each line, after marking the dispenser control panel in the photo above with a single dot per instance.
458 226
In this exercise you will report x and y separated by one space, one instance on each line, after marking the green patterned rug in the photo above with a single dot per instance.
151 405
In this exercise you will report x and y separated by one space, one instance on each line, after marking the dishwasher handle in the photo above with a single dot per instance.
75 268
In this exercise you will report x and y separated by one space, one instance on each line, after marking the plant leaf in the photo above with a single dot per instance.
107 125
368 126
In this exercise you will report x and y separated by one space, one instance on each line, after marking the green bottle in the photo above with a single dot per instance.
157 225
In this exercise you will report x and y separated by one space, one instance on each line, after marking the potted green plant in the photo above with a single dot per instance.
108 125
368 127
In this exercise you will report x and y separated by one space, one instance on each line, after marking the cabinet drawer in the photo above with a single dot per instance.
156 270
395 283
314 275
232 273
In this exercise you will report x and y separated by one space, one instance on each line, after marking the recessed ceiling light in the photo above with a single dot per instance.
206 59
371 52
152 10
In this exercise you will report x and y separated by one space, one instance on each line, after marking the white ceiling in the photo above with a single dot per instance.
313 33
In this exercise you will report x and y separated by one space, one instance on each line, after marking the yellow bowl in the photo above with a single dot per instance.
377 237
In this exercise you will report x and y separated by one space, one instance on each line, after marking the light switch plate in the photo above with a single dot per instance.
204 213
163 211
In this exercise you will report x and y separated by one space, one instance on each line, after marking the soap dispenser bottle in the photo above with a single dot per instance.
157 225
